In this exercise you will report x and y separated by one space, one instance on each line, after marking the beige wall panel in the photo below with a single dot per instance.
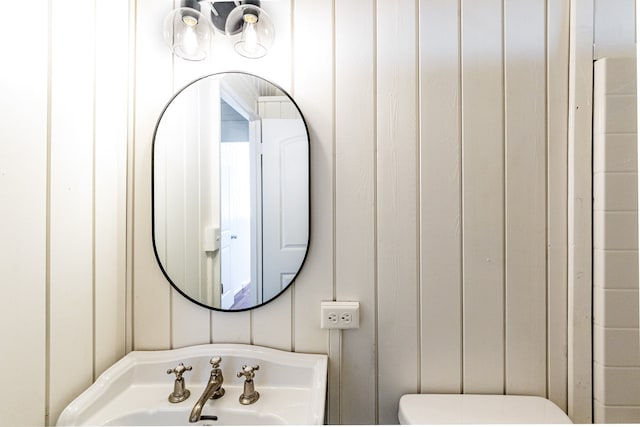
313 90
354 200
397 205
271 324
440 197
71 243
483 196
231 327
525 170
111 139
23 230
153 88
190 323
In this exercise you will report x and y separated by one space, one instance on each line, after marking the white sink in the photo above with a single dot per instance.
134 391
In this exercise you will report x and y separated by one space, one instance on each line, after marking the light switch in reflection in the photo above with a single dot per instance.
211 239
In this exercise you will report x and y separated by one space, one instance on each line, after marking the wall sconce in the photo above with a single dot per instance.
189 29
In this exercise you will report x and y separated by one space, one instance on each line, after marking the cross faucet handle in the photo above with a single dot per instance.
248 372
180 392
179 370
215 362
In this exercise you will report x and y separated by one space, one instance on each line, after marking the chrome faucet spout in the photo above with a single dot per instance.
213 390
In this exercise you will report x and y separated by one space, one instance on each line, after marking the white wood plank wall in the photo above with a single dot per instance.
23 219
63 169
435 128
439 198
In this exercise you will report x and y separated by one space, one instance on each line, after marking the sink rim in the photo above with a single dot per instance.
123 371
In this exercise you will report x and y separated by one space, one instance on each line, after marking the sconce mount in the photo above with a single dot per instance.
220 11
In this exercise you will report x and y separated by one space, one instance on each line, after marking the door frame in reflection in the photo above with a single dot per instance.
231 239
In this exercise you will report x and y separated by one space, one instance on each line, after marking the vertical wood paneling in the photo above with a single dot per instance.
483 196
23 209
557 127
355 196
71 204
357 86
313 89
190 324
347 183
440 197
397 205
579 212
231 327
111 125
525 169
153 88
271 324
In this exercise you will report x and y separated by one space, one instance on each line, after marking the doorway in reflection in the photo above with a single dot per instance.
235 232
239 181
262 162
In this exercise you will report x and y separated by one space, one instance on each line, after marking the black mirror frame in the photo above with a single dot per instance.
153 221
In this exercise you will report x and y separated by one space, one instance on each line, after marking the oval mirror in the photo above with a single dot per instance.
230 191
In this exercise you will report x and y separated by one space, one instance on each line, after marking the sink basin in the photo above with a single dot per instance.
134 390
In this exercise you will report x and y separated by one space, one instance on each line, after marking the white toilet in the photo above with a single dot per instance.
478 409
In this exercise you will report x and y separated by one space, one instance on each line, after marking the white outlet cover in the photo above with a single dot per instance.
339 314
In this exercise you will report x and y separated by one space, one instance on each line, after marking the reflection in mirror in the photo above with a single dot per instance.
231 191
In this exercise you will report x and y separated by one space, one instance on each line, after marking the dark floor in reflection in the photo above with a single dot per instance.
242 299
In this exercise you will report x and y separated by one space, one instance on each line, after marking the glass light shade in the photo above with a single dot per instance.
188 33
257 34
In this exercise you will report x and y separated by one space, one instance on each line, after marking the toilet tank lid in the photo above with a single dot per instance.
478 409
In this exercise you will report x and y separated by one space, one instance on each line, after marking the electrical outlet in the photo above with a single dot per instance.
332 317
345 317
339 315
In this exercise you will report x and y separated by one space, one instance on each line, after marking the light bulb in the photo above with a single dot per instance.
250 34
190 21
190 42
